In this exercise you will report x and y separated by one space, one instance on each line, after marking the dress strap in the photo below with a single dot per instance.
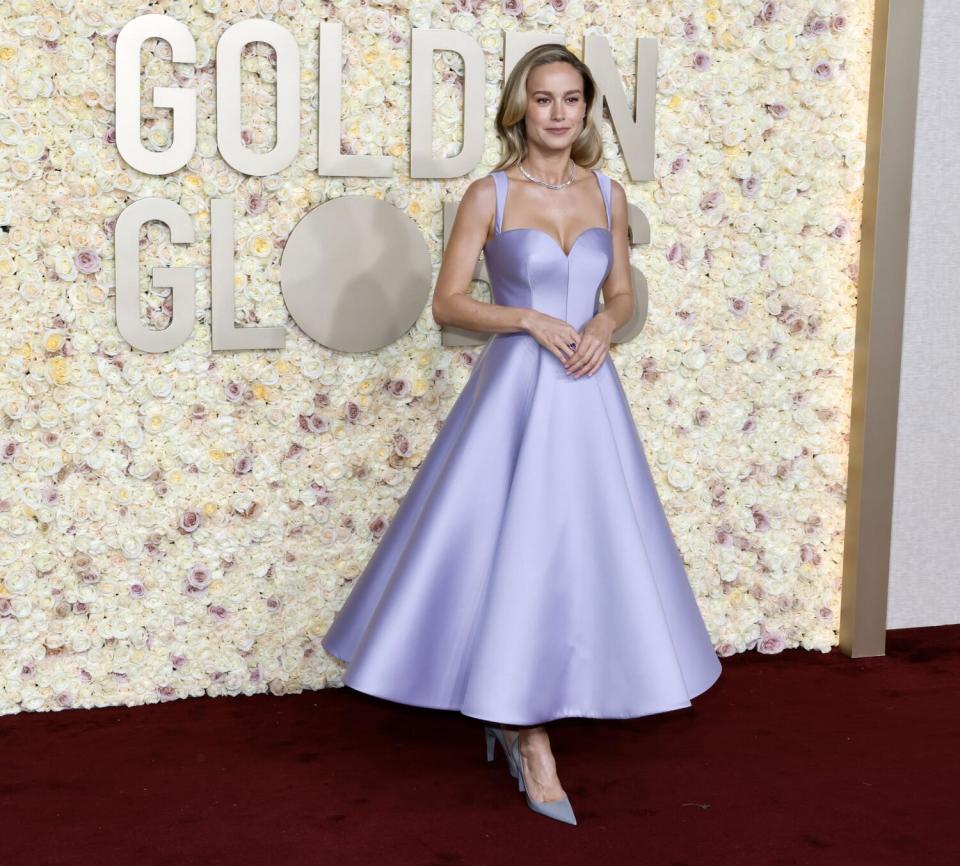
500 181
604 182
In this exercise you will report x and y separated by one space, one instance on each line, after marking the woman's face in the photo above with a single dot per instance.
555 106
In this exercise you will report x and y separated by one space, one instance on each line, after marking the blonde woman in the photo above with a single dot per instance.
529 573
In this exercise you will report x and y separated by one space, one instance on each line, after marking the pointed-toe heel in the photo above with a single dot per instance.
494 736
560 810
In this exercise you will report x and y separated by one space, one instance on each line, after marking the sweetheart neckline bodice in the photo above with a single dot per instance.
502 184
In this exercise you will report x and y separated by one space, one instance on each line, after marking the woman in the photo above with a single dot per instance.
529 573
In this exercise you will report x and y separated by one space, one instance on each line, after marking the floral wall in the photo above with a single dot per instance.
188 523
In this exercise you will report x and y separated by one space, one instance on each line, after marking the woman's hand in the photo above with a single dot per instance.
552 333
555 335
593 345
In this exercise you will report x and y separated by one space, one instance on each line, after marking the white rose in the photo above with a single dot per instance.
694 358
679 475
828 464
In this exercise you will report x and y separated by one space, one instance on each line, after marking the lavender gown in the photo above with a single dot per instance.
530 573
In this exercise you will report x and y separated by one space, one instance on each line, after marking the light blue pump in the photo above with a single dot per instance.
561 810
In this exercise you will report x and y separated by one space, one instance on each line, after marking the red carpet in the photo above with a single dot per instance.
798 758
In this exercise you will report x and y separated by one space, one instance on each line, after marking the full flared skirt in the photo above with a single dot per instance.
529 572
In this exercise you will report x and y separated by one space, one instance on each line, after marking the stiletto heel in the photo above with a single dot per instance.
561 810
494 736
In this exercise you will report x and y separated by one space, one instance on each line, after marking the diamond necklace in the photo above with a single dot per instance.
530 177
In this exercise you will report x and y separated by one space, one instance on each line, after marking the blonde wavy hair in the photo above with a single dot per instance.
587 149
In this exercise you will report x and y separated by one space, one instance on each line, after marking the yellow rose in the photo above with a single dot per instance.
260 245
59 370
728 40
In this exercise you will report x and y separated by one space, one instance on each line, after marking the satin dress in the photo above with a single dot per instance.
529 573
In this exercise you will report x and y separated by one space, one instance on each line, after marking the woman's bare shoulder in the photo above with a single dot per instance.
617 190
481 189
479 200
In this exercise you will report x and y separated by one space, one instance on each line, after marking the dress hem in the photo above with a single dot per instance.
564 714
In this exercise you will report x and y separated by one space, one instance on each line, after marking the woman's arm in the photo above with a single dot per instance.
618 300
452 303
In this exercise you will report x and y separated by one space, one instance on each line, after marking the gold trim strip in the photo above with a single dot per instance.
888 175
